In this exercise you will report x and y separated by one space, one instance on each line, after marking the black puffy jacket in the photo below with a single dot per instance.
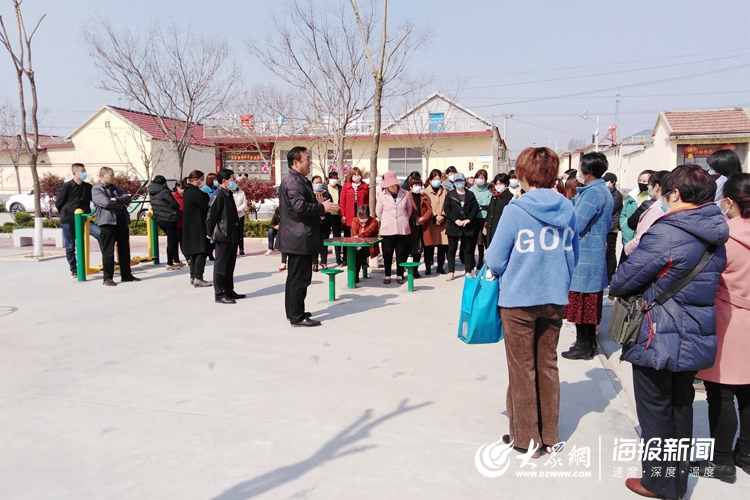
685 338
165 207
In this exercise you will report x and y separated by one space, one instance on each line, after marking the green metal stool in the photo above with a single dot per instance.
410 268
331 282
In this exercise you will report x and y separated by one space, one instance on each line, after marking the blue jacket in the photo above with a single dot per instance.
685 338
593 205
535 250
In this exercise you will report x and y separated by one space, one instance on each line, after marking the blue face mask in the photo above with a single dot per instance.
436 183
318 188
233 186
202 185
84 176
216 183
663 207
460 185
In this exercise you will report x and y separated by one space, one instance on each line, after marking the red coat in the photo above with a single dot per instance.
347 206
178 196
367 230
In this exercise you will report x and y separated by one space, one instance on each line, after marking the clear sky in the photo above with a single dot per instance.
544 61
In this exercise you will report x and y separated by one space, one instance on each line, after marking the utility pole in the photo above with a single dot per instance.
596 146
505 127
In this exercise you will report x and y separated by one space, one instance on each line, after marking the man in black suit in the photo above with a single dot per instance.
299 233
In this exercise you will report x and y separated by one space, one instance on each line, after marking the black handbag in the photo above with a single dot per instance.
629 312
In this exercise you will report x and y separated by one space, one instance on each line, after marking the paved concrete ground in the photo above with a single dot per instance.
150 390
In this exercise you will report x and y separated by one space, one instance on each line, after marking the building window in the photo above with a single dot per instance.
403 161
347 158
437 122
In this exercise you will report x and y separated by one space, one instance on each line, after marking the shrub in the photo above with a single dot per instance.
23 218
256 228
2 207
8 227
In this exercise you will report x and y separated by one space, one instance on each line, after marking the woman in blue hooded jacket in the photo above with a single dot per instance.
534 255
593 205
678 338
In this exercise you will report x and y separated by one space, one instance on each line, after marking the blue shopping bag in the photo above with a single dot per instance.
480 317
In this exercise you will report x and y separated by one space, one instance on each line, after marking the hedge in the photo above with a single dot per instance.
253 228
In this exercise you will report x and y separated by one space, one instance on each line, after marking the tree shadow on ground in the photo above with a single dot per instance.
7 310
251 276
332 450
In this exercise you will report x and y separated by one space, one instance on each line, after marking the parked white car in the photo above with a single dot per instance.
267 208
25 203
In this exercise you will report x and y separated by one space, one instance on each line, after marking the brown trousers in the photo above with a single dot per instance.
533 401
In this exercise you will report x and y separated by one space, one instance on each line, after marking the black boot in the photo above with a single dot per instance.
742 460
580 350
725 473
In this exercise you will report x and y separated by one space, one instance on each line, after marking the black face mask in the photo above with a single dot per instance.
642 187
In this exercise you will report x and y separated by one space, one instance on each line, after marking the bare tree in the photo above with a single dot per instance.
316 50
149 156
179 78
388 61
415 130
264 114
10 138
22 62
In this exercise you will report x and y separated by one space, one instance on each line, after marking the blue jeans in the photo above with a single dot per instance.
69 237
271 237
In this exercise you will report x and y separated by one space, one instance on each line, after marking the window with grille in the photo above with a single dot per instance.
403 161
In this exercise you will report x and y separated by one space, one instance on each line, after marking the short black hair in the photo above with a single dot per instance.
693 182
502 178
415 175
571 173
594 163
223 175
159 179
294 154
333 175
450 170
725 162
657 178
610 177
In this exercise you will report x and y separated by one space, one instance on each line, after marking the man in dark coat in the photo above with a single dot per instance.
195 242
299 233
222 224
74 194
166 211
611 180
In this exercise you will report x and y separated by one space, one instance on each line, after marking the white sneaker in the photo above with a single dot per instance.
450 277
474 273
268 252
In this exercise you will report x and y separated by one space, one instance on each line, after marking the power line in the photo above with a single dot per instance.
610 89
608 73
599 65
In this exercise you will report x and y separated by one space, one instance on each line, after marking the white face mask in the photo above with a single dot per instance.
451 177
363 221
479 182
500 188
333 182
356 179
416 189
580 179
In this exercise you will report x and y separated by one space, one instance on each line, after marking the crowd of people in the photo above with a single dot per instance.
551 242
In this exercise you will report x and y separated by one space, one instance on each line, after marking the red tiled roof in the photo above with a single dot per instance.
10 143
711 121
149 124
